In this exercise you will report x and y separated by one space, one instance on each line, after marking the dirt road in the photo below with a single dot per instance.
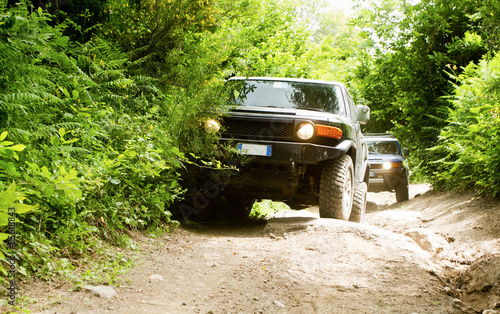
297 263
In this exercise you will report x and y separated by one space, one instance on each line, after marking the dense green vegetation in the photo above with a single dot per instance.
419 52
101 102
468 144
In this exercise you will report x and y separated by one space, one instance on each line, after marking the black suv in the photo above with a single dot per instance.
303 145
388 166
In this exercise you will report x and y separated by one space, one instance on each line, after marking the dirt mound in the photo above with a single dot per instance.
480 284
470 225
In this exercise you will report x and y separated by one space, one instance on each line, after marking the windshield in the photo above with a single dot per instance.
383 148
294 95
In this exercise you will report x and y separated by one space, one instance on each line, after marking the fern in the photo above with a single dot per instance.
469 142
119 83
20 134
117 64
110 98
44 132
142 60
68 125
8 106
72 150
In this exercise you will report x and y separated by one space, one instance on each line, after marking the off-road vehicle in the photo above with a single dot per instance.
388 166
304 146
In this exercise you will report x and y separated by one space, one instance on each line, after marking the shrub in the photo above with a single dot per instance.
468 146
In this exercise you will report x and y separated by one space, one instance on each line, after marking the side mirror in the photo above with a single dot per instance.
406 152
362 114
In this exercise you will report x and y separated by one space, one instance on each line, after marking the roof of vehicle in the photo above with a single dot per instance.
284 79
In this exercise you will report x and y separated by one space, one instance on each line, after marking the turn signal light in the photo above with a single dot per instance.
328 131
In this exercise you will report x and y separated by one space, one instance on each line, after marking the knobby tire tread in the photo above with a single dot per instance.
331 186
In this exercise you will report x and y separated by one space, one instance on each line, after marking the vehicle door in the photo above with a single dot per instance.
361 158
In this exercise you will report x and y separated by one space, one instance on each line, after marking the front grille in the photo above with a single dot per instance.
257 129
375 166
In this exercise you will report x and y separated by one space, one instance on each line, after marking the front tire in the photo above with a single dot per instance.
239 208
336 188
359 204
402 191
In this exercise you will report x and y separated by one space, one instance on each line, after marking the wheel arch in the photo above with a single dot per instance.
364 171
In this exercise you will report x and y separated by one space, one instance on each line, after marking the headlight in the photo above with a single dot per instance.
212 126
386 165
305 130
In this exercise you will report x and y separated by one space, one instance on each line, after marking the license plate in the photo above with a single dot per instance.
255 149
372 174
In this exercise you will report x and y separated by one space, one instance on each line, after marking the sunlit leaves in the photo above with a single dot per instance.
158 24
470 142
406 80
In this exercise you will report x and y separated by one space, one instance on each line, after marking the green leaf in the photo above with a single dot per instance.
23 208
174 184
130 153
45 172
48 190
18 147
4 219
4 236
65 91
22 271
6 143
3 135
176 150
8 196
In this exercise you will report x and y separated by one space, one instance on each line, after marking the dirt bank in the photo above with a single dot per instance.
297 263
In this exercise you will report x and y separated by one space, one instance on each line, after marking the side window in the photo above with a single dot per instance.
350 106
343 103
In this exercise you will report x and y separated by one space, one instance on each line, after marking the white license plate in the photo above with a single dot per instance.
372 174
255 149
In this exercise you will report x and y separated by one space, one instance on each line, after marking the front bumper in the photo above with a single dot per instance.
287 152
387 180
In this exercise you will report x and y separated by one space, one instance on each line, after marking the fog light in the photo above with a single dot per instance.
212 126
305 131
386 165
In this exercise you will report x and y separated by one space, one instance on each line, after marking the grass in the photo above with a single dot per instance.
267 208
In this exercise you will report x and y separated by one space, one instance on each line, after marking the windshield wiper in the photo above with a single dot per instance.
312 109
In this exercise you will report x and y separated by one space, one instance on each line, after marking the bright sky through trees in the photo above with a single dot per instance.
345 5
